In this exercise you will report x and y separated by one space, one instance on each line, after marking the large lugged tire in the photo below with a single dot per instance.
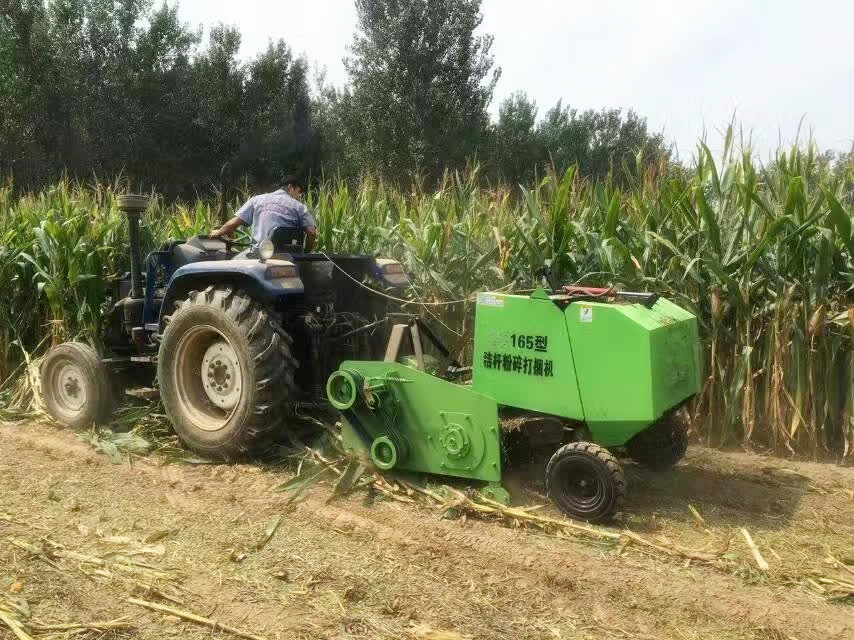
226 374
660 446
585 481
75 385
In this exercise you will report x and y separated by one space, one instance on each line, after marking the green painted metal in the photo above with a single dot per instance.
617 367
496 492
342 389
409 420
522 356
634 364
432 365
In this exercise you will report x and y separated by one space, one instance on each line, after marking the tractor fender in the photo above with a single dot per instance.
266 282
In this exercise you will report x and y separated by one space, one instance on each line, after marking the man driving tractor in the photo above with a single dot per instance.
269 211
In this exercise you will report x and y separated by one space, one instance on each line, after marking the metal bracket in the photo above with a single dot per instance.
145 393
396 339
416 346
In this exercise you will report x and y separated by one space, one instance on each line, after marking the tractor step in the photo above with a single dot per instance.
146 393
122 360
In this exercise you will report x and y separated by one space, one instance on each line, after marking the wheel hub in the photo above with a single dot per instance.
455 441
220 372
582 491
586 487
69 387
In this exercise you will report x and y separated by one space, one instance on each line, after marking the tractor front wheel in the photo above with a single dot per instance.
585 481
226 374
660 446
75 386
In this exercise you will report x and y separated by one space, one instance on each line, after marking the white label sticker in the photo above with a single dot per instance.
489 300
586 314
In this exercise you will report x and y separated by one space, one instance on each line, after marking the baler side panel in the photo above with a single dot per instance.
612 358
675 345
634 364
522 355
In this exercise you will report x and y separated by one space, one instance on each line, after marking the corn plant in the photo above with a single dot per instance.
762 255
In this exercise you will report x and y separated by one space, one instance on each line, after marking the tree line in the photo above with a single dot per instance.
124 87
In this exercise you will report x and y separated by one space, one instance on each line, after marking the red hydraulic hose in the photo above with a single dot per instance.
594 292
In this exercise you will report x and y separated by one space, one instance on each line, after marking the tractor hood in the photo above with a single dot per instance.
274 274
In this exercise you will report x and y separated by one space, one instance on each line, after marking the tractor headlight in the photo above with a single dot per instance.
281 272
266 250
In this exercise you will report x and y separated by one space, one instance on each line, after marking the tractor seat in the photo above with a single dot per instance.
288 240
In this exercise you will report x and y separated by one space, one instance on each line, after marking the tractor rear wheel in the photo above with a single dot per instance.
585 481
226 373
660 446
75 385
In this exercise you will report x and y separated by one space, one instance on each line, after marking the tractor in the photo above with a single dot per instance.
237 341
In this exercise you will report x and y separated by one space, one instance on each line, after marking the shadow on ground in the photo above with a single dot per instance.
732 496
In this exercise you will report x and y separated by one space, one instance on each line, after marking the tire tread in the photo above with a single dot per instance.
88 358
614 469
271 359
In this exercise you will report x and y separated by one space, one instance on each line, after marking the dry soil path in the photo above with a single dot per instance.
380 569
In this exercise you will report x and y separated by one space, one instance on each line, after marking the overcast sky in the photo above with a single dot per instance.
684 64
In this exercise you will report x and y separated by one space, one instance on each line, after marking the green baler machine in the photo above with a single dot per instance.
609 368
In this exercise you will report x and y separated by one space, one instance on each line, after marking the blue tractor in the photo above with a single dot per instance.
234 343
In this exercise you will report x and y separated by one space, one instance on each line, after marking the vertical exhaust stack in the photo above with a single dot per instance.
133 206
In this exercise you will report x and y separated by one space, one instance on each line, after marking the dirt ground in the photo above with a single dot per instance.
356 567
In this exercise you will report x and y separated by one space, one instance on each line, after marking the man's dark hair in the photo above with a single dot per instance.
293 181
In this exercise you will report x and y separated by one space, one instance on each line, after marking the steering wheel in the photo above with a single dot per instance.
229 243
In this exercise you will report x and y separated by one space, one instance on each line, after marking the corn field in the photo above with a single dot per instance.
763 256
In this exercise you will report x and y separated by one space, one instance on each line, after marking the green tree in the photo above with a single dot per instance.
421 81
111 87
162 108
34 118
517 150
217 89
600 142
277 133
90 86
337 151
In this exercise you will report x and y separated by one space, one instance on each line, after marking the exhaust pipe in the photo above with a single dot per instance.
133 206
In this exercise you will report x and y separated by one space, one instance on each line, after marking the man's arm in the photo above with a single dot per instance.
244 216
309 225
310 237
228 228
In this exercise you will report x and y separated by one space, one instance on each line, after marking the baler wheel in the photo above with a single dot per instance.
226 373
585 481
75 385
660 446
